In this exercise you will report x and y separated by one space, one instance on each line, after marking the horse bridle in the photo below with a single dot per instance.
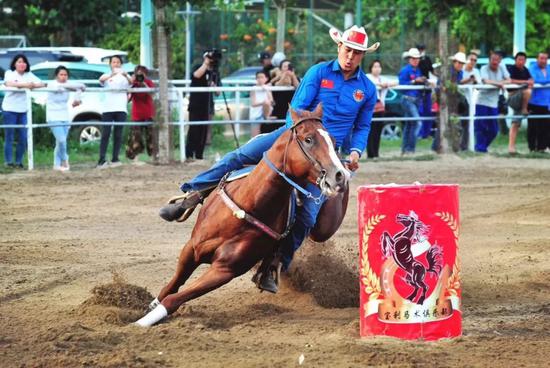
312 160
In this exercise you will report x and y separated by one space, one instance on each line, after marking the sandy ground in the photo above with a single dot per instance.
61 235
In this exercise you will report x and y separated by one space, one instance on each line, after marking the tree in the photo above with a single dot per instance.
61 22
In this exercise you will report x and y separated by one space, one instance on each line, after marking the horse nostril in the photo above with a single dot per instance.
339 176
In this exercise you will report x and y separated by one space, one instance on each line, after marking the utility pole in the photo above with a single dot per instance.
146 42
519 26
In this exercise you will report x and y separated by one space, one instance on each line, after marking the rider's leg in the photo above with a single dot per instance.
306 215
199 187
248 154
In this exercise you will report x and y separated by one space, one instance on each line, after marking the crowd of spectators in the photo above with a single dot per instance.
268 105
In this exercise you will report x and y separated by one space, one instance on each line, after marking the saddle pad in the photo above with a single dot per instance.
239 174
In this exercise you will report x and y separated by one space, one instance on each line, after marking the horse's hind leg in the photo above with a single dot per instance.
186 266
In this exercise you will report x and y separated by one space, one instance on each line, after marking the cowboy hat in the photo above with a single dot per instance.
460 57
355 38
412 53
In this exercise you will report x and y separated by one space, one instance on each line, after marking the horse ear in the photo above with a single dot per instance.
293 114
319 110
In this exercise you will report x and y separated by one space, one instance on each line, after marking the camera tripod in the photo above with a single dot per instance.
217 81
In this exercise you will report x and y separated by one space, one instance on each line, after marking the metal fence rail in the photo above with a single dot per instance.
239 87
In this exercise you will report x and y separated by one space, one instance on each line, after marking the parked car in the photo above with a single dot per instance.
35 57
92 55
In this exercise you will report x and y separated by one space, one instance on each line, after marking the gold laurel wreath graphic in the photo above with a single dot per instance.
369 277
453 285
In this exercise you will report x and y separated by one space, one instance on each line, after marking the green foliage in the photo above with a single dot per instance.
126 37
61 22
485 24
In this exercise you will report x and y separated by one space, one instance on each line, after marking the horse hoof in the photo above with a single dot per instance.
268 283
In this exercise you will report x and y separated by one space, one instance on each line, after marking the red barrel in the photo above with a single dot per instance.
410 270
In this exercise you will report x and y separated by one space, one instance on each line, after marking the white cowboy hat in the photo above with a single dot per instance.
277 58
412 53
460 57
355 38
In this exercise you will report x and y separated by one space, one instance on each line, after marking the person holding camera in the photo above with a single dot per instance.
411 74
201 104
285 77
143 110
115 107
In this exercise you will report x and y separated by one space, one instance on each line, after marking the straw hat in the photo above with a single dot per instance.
412 53
355 38
460 57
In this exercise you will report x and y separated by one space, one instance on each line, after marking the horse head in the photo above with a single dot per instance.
407 220
310 153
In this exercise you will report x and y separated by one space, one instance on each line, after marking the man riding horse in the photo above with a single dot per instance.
348 99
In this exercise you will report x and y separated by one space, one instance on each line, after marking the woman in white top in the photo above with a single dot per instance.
57 114
115 108
382 84
261 102
14 108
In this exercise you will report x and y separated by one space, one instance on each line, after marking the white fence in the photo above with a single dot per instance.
240 86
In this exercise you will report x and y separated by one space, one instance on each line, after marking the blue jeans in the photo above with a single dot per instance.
411 127
250 154
60 132
487 129
425 110
15 118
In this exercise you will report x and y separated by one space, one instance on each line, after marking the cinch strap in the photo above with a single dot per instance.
241 214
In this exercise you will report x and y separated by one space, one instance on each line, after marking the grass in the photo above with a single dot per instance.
87 154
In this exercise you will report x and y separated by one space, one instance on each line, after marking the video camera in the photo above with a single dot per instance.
214 55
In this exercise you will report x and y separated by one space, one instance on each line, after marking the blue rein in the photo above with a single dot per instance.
317 200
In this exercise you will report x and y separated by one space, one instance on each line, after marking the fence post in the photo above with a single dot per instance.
30 145
181 122
471 114
238 112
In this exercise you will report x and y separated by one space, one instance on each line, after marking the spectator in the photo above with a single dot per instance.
143 110
287 78
276 61
382 84
410 74
267 66
14 108
425 110
538 130
470 75
455 77
57 114
487 104
115 107
261 102
201 107
518 99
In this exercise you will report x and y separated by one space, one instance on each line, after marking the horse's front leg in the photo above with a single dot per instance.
387 244
227 263
186 266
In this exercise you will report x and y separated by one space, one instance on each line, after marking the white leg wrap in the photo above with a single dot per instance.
153 304
154 316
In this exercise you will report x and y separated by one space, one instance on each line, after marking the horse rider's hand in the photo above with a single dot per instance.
353 161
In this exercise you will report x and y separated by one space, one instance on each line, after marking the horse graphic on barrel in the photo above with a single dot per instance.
399 246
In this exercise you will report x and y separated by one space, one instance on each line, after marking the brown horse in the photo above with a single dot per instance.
232 246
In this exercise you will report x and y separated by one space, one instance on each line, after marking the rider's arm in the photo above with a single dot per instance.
361 126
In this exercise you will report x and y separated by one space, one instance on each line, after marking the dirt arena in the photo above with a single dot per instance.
64 235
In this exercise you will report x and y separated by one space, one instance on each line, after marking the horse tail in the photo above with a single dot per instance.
434 260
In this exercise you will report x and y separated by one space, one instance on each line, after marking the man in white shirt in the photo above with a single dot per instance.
487 102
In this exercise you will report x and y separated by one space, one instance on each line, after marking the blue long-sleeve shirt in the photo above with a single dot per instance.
347 104
407 75
540 96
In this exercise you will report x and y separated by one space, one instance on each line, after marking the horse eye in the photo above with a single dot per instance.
308 140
